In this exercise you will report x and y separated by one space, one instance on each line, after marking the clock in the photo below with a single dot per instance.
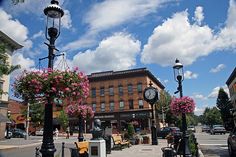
150 95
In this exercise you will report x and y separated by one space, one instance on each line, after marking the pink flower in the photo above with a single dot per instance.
182 105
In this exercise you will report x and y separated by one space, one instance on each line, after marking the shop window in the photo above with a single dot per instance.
131 104
140 103
102 91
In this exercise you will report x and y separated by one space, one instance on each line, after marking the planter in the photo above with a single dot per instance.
146 140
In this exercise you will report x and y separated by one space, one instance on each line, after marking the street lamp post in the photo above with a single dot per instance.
179 77
54 14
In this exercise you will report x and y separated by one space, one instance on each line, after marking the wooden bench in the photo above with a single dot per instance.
119 143
82 148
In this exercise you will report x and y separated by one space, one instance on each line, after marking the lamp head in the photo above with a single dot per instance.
178 71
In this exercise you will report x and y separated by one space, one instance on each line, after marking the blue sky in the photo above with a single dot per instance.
101 35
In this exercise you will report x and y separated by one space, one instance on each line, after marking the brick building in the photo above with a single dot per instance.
117 97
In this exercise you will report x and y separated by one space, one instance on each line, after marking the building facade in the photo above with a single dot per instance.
117 97
10 47
231 83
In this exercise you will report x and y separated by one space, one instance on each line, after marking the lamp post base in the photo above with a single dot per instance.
154 135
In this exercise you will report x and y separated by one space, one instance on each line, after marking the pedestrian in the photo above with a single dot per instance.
56 133
67 133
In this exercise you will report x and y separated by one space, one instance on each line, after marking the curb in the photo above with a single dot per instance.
200 153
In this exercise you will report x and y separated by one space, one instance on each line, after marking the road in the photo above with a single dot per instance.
212 145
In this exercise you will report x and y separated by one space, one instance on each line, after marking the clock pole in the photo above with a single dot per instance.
152 101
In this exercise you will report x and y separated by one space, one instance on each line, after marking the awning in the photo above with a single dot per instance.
4 119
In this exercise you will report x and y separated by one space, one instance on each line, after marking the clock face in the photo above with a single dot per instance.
150 93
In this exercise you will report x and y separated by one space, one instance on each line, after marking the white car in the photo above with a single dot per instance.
39 132
191 128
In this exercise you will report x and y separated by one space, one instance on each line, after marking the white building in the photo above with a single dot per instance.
10 47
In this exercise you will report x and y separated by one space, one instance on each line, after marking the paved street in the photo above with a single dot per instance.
212 145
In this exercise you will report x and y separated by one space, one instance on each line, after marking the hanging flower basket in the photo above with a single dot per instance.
182 105
83 111
71 86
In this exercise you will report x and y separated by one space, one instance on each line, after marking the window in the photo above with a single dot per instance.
94 106
122 105
131 104
130 88
102 107
102 91
140 103
112 106
93 92
139 87
120 88
111 90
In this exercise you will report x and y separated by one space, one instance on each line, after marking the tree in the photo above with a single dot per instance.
224 104
131 130
212 116
63 119
5 67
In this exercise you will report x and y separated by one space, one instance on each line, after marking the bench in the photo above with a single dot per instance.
119 143
82 148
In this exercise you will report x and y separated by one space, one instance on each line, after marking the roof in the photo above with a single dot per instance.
10 41
106 75
231 77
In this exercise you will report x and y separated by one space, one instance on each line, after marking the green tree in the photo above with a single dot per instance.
5 67
212 116
37 114
63 119
130 130
224 104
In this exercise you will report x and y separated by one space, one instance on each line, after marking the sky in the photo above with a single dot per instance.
102 35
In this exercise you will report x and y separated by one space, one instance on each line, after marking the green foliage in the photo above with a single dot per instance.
192 144
191 119
225 105
131 130
63 119
212 116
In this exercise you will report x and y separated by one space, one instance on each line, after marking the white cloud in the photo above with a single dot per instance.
199 111
66 21
25 63
190 75
111 13
14 29
117 52
37 35
177 38
198 15
218 68
199 96
215 91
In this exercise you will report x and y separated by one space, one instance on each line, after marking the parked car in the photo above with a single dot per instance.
39 132
232 143
206 128
191 128
9 135
163 132
18 133
218 129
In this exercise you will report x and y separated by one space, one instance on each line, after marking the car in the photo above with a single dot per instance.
231 141
8 135
217 129
206 128
18 133
191 128
163 132
39 132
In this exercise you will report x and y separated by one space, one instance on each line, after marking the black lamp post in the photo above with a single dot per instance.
81 124
54 14
8 124
179 77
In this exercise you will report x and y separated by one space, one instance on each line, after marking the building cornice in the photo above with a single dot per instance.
231 77
13 44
